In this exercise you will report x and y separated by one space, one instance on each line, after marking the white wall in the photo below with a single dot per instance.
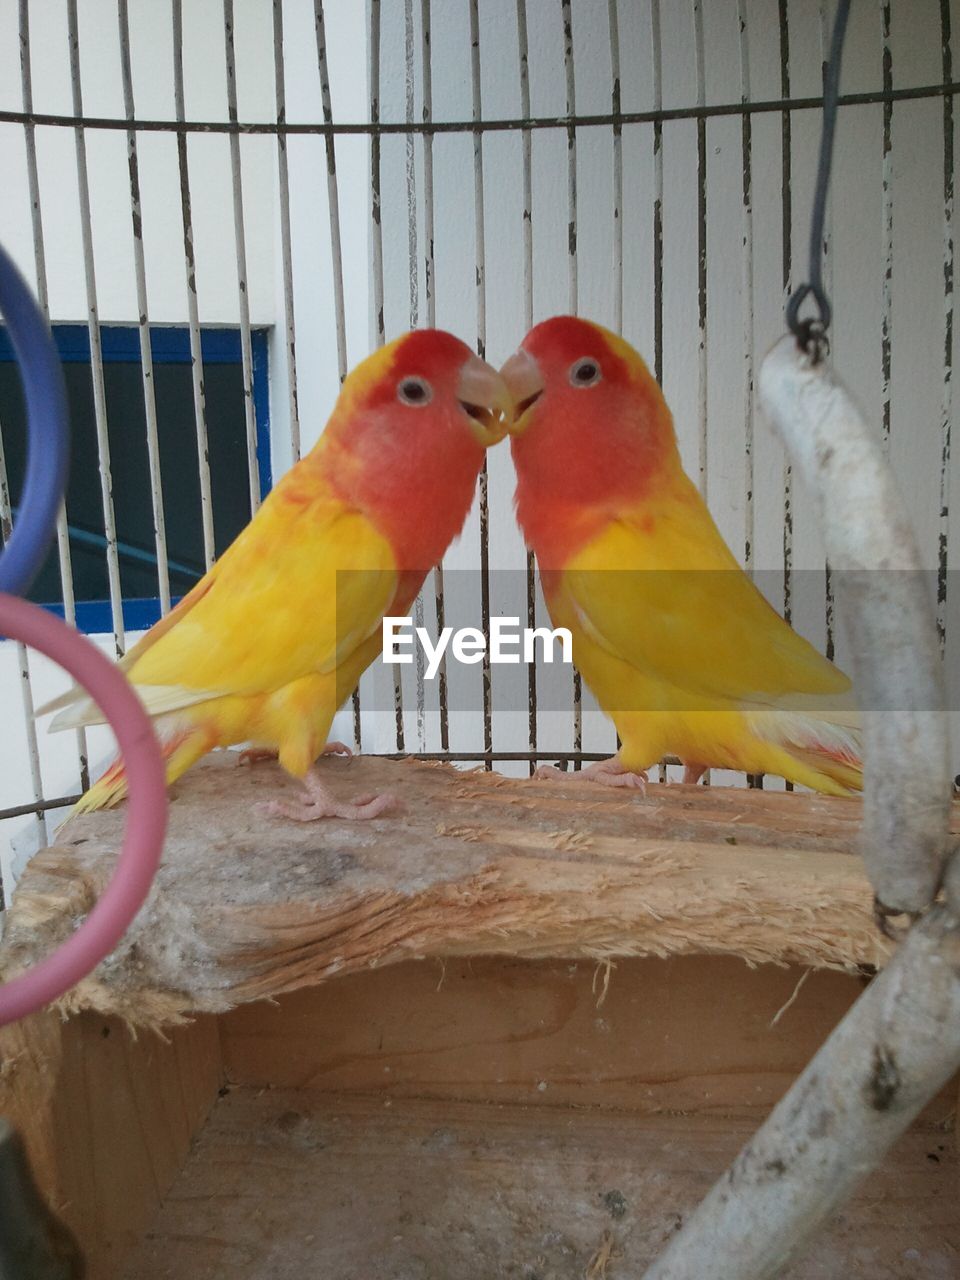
854 259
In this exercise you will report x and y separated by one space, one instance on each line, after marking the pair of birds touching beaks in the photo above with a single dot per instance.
677 644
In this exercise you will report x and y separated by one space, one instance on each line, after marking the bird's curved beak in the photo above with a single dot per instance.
525 383
484 398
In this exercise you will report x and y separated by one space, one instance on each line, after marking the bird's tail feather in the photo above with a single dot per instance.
826 747
180 750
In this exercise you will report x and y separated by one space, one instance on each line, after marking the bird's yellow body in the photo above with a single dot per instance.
675 641
275 636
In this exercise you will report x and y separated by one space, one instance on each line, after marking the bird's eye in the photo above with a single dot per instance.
584 372
415 391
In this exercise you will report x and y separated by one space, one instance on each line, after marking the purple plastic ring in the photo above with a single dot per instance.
48 448
146 815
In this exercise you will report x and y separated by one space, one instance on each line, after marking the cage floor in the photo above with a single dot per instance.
283 1184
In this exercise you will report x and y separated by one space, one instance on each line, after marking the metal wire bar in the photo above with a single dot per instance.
40 264
946 401
656 55
146 352
703 458
333 192
430 299
286 250
240 239
829 602
426 75
413 271
376 235
786 222
746 287
39 807
613 24
594 120
376 231
754 780
336 251
23 665
526 152
481 302
573 298
886 215
96 354
193 309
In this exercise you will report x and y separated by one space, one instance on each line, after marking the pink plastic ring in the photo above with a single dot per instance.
146 816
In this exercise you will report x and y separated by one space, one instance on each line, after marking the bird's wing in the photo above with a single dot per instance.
661 591
299 590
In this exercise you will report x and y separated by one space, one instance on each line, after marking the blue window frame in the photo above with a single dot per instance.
173 391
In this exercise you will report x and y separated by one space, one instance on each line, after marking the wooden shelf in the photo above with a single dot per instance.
247 907
282 1185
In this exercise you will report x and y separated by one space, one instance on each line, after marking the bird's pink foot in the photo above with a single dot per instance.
257 755
318 802
609 773
692 773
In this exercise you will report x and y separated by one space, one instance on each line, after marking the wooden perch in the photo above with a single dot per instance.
246 907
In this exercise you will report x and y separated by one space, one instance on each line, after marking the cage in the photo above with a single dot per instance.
222 207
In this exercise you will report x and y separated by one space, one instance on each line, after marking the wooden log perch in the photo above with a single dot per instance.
247 906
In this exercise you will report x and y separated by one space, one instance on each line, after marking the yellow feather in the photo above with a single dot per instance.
688 658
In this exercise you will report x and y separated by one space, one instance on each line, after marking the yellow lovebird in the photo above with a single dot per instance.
274 637
679 647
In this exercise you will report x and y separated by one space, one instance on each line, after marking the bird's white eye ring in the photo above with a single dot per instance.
415 392
585 372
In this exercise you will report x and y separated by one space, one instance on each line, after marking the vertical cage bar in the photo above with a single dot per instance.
193 309
573 299
240 238
702 389
527 162
613 23
703 456
746 286
481 300
786 223
886 214
93 327
946 402
826 32
40 262
333 192
376 232
286 249
656 57
754 780
426 73
413 269
23 667
146 351
336 252
786 210
430 298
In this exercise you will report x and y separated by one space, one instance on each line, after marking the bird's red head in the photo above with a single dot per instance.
406 440
591 429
